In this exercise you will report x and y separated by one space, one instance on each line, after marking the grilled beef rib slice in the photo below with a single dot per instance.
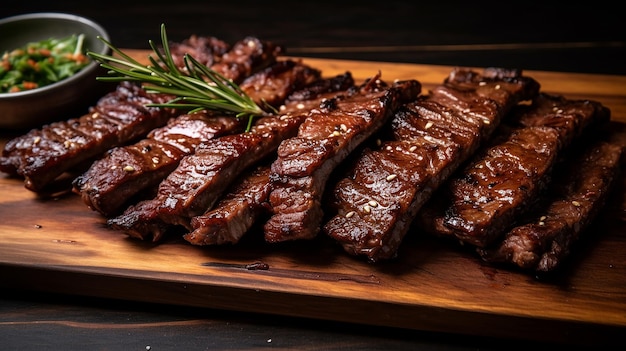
299 174
380 195
235 213
580 191
114 180
200 179
206 50
42 155
503 180
246 57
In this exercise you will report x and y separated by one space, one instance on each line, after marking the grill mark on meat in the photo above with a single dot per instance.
304 163
235 213
542 243
380 195
126 171
503 180
43 155
200 179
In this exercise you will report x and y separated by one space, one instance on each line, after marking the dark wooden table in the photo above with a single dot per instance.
586 38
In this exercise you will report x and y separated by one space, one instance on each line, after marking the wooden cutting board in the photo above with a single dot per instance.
59 245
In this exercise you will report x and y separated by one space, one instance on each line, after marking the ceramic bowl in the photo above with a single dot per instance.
65 99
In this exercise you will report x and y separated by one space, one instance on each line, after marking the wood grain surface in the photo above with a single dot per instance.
58 245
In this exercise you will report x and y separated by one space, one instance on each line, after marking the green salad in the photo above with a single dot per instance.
41 63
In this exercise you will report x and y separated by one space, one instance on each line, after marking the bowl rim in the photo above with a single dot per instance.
63 16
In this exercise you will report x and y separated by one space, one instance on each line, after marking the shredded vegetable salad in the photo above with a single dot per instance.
42 63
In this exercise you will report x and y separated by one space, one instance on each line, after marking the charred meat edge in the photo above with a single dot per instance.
503 180
200 179
543 243
125 171
304 163
379 196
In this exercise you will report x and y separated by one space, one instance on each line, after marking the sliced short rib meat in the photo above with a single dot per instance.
125 171
299 174
235 213
581 190
246 57
205 49
380 195
570 117
42 155
486 96
502 181
201 178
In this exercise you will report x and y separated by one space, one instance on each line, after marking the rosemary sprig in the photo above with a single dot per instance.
200 89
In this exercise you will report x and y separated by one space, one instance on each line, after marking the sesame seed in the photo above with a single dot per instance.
129 169
428 125
155 160
482 84
67 144
498 87
542 223
373 203
367 209
392 177
576 203
350 214
300 106
336 133
37 140
343 127
388 148
413 148
543 218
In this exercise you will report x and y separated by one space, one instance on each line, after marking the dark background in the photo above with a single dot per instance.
558 36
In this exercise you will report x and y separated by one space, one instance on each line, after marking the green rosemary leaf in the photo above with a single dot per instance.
200 88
